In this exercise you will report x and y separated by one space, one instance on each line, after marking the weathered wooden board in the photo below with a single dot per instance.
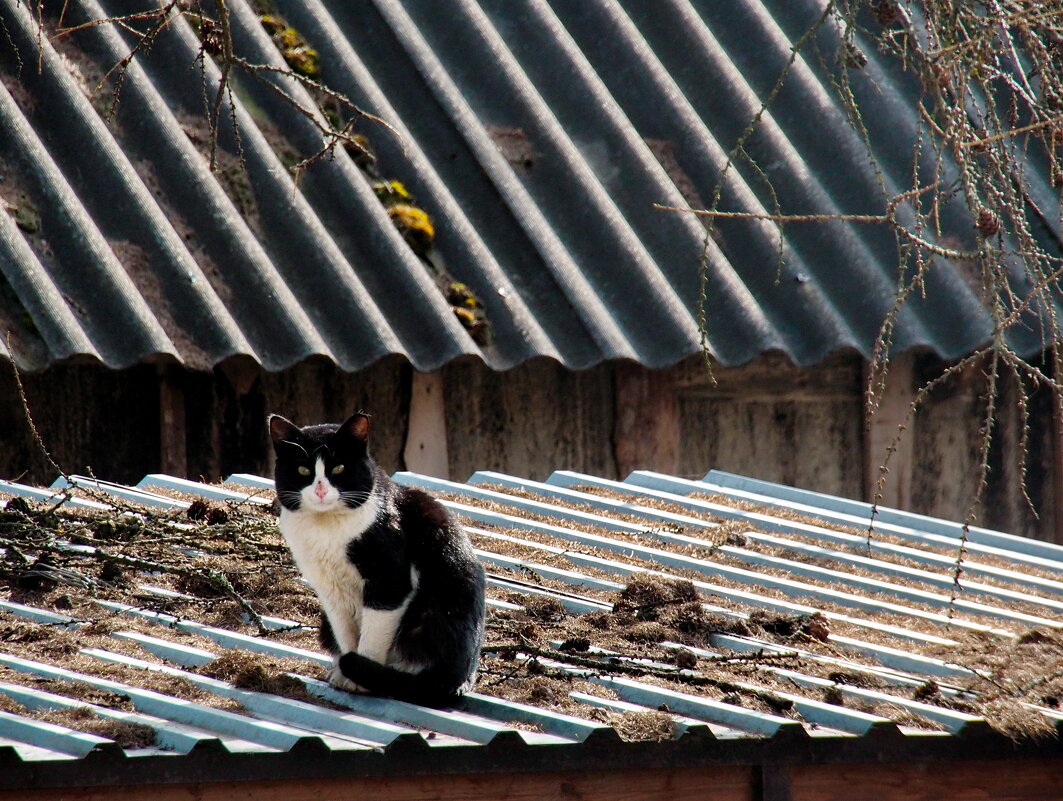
723 783
888 441
774 421
530 420
648 432
947 438
318 392
997 780
426 438
87 416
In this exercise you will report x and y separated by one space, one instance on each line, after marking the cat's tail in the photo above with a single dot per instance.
424 688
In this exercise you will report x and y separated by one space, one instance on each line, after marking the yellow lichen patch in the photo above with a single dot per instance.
476 325
272 23
297 53
303 60
414 224
359 149
459 295
24 213
391 192
468 309
289 39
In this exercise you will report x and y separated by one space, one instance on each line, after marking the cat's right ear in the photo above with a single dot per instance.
282 430
356 426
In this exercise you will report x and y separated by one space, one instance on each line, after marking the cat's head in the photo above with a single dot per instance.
322 468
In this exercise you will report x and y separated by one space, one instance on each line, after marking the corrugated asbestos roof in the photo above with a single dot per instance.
882 608
536 134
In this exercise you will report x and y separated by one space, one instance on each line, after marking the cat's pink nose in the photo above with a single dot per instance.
320 490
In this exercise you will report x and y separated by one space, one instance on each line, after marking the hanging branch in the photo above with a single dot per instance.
990 106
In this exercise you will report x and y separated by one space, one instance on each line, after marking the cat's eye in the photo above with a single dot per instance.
304 470
337 470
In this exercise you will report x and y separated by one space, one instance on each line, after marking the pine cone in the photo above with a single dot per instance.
888 13
988 223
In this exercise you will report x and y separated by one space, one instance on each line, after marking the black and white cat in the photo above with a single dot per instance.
401 591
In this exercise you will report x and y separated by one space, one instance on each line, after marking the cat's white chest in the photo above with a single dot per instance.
318 543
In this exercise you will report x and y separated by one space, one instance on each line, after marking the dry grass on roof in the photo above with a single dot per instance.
729 527
648 615
126 734
250 508
877 535
733 533
65 647
228 564
729 531
770 594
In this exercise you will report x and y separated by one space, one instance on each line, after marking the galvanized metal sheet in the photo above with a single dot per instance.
820 707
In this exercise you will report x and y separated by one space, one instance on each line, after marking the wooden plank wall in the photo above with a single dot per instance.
227 411
107 420
1000 780
948 437
768 419
724 783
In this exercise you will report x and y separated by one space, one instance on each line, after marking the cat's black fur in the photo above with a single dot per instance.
442 627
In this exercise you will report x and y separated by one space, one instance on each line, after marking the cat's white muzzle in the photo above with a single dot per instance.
320 497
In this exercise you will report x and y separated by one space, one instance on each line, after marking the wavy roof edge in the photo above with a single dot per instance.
164 360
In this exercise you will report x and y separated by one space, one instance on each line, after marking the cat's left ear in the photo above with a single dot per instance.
356 426
282 430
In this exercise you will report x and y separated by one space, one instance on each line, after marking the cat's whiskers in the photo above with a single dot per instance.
355 496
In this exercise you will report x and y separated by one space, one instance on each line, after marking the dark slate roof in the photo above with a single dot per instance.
537 134
893 596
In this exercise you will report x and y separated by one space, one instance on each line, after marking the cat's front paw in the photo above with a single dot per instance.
341 682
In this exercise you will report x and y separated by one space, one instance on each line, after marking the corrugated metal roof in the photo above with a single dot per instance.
888 638
536 134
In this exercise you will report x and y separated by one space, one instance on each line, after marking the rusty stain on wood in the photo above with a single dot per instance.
241 373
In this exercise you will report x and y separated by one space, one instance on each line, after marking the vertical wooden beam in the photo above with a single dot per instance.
426 438
173 424
882 432
774 781
646 434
